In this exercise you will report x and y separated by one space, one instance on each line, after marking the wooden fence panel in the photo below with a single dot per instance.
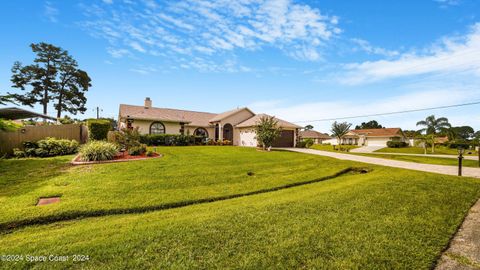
10 140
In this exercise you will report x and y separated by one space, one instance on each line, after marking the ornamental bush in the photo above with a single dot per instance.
48 147
137 150
98 128
98 151
395 144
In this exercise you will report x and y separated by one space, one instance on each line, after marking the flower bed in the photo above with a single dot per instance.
120 157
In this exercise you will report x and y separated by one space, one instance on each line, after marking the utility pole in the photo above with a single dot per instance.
98 110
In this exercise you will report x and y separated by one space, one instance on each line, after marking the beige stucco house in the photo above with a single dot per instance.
236 125
370 137
316 136
373 137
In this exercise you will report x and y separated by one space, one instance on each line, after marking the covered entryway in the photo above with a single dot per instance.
228 132
286 139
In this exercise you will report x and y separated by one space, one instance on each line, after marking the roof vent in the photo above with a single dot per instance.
148 103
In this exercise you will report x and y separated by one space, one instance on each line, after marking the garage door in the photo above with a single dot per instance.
285 139
377 142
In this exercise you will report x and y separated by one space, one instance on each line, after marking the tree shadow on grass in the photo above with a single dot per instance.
20 176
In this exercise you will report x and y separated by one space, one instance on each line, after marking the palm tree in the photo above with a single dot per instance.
433 126
340 129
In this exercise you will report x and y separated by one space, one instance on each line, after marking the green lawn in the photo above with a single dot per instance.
331 148
387 218
185 174
439 150
427 160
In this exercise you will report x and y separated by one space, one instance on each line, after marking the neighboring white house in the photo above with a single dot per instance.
371 137
237 125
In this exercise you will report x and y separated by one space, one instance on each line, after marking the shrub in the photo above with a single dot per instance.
149 153
48 147
98 151
98 128
19 153
125 138
301 144
458 145
167 139
395 144
137 150
308 142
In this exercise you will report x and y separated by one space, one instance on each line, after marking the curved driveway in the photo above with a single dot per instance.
441 169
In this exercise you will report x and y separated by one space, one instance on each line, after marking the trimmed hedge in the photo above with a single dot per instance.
171 140
98 128
394 144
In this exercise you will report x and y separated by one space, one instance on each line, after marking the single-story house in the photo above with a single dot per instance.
373 137
316 136
237 126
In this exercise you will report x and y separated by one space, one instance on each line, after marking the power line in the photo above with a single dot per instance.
390 113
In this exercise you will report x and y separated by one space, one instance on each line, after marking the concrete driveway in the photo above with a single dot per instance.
367 149
441 169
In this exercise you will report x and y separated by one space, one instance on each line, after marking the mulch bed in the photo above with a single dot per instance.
118 158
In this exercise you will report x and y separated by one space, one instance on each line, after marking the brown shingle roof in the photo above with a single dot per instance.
313 134
226 114
168 115
379 132
254 120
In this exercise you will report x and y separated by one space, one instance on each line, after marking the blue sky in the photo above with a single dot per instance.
298 60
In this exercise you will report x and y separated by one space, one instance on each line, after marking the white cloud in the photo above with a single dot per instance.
118 53
214 27
144 70
412 100
109 2
447 3
451 54
368 48
50 12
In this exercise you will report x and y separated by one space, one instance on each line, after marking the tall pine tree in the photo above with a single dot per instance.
54 76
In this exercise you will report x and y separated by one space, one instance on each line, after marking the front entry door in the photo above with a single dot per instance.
228 132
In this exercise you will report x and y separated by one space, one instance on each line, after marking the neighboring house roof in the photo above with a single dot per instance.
226 114
379 132
253 121
14 113
313 134
442 139
167 115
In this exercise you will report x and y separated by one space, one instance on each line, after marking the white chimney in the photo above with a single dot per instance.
148 103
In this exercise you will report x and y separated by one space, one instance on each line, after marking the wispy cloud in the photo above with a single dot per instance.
451 54
50 12
447 3
206 28
368 48
414 99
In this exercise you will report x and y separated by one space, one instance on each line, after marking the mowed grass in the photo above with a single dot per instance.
331 148
182 175
439 150
386 219
426 160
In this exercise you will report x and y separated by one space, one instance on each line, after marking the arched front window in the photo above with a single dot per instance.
157 128
201 132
